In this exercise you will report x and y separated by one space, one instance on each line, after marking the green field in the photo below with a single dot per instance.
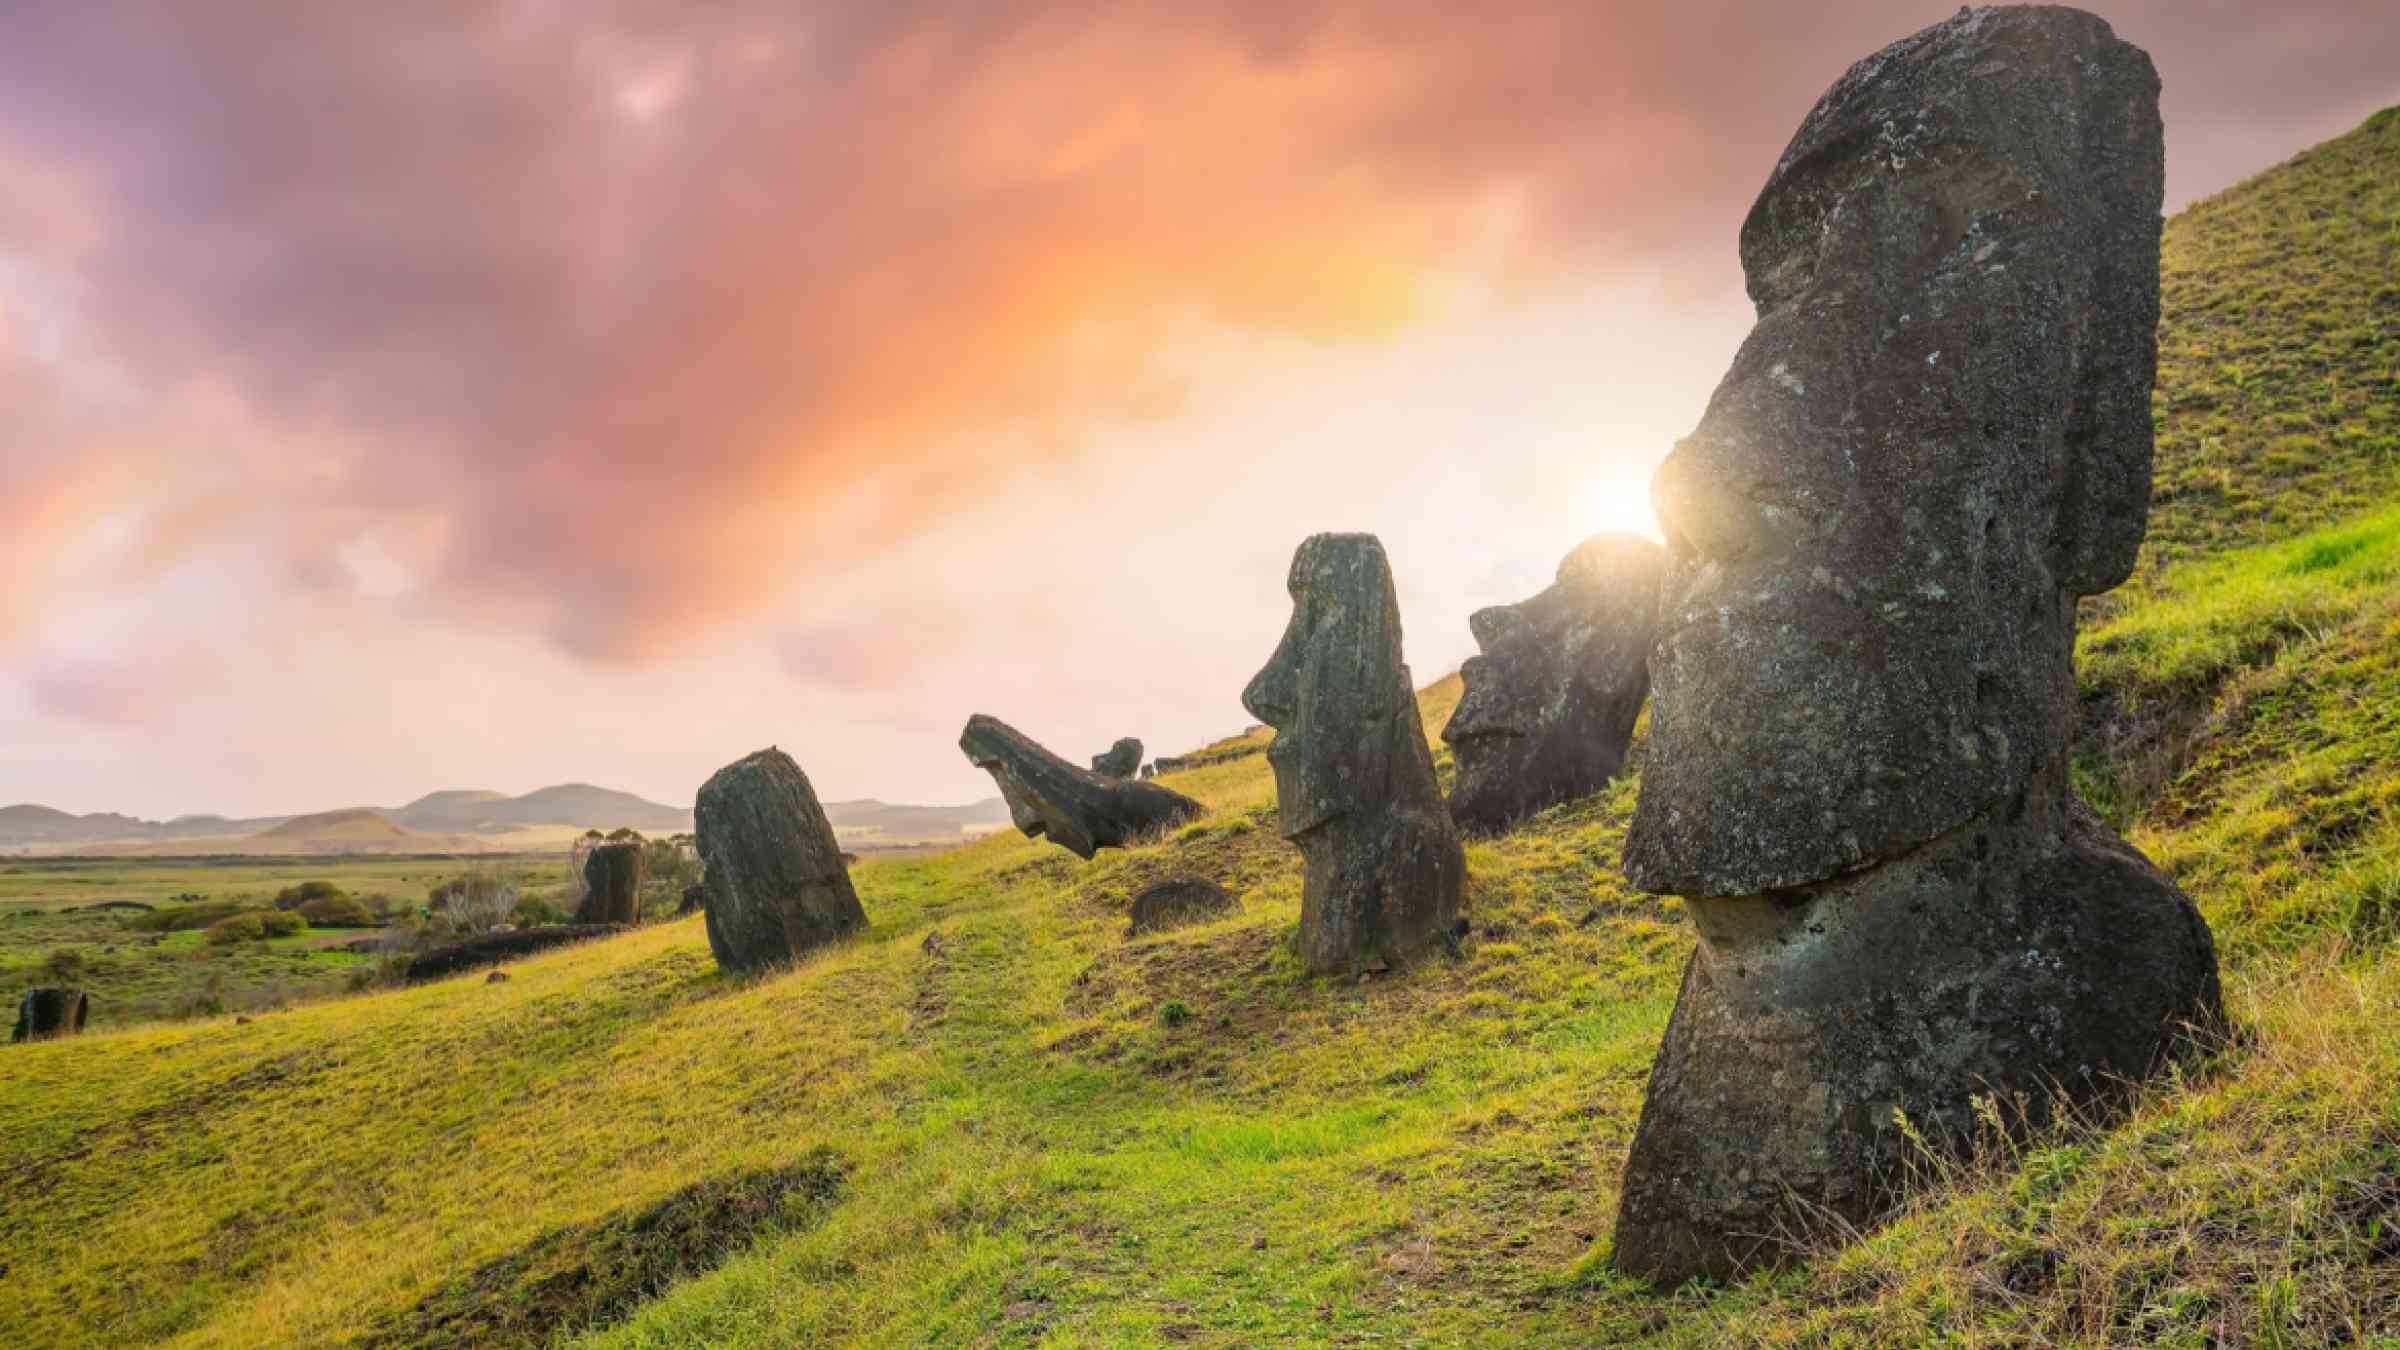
991 1119
50 934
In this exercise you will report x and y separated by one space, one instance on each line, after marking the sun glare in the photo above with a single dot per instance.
1618 499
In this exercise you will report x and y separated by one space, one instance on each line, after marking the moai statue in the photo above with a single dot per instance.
1076 809
1121 760
1352 770
777 884
612 883
1550 704
1935 439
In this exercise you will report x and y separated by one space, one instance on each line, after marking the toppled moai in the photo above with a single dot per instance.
1550 703
777 886
1122 760
1935 440
1076 809
1353 775
612 883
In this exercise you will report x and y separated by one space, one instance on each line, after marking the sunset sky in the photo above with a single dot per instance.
410 396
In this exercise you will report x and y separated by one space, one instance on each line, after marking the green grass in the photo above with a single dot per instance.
1033 1152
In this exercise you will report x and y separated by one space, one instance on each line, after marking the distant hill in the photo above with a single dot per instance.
898 819
482 812
357 825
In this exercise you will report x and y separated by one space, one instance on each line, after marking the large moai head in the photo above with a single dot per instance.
1551 702
777 886
1935 439
1353 774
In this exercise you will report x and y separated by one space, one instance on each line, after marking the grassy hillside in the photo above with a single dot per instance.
994 1120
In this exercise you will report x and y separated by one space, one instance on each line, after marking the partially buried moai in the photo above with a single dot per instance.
1935 439
1352 771
1551 702
612 883
777 884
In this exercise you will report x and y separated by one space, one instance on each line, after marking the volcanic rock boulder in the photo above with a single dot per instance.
46 1012
1180 901
1122 760
1550 704
1935 439
612 884
777 887
1078 810
1353 775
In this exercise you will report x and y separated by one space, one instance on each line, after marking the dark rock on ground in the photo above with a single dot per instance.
695 899
496 977
1935 440
1550 704
1076 809
612 884
777 885
1176 902
46 1012
1149 771
1353 774
1168 764
494 948
1121 760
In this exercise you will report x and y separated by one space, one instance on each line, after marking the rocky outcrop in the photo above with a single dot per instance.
490 949
1935 440
1353 775
1550 703
1076 809
1177 902
612 884
777 885
1122 760
47 1012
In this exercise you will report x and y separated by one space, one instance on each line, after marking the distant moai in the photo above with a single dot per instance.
776 885
1551 702
47 1012
1353 775
612 883
1122 760
1076 809
1936 438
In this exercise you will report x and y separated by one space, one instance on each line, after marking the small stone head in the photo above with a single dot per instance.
1335 686
1936 437
1551 701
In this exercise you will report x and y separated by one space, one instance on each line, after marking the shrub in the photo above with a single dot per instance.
293 897
475 902
336 911
182 917
533 911
278 923
245 927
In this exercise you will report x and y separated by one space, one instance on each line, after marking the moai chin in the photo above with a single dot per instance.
1353 775
1935 439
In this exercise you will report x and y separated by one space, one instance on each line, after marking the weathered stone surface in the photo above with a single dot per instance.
490 949
1936 438
1149 771
1176 902
1551 702
695 899
1076 809
612 884
1121 760
777 885
1353 774
46 1012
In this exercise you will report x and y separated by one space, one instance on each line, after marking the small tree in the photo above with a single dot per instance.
475 903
